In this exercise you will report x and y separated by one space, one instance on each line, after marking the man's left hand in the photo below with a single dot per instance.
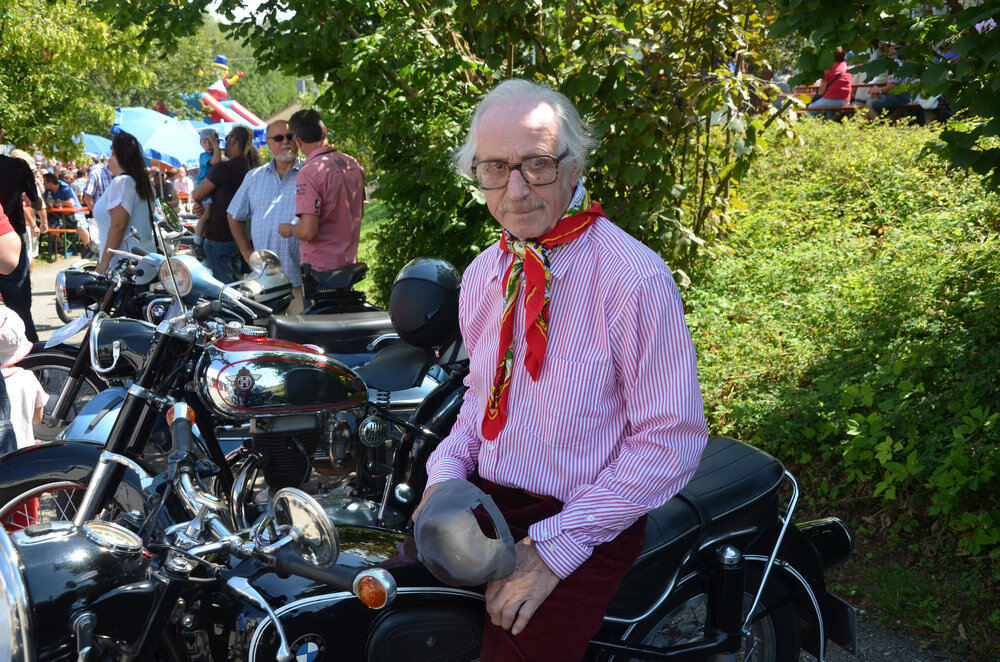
285 230
511 602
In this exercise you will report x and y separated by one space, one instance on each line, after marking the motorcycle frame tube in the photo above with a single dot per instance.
71 389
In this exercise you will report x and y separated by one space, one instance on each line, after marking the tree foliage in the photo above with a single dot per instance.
948 47
403 76
51 52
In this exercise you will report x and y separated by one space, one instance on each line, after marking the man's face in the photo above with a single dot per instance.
281 143
512 131
50 186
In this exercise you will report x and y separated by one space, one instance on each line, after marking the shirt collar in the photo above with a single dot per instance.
562 256
294 168
325 149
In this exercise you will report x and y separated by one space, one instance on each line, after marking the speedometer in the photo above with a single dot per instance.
112 536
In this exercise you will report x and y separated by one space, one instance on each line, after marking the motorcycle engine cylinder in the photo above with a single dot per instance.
287 457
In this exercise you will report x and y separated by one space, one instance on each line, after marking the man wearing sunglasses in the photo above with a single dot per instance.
583 410
329 198
266 199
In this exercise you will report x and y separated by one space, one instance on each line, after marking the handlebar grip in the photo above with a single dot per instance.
180 432
287 562
140 251
208 310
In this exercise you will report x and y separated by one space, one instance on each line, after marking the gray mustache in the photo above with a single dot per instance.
520 206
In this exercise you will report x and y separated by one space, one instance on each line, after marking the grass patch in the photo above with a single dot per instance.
851 330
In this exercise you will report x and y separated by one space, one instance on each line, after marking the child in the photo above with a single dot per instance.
26 396
208 158
25 403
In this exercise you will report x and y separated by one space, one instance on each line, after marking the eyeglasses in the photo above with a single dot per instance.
540 170
280 138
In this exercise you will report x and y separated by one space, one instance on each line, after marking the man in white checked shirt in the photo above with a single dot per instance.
266 199
583 410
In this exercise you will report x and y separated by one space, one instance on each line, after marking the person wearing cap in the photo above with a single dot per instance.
211 155
25 396
583 410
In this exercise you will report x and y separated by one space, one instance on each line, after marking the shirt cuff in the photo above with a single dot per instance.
560 552
446 469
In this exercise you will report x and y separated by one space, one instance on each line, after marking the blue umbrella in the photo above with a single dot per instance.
94 146
162 137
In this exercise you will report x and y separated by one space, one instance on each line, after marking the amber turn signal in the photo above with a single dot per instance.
185 411
375 588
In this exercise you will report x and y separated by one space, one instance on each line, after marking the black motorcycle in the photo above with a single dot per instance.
170 536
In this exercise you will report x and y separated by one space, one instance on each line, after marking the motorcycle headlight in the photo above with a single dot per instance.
61 291
181 273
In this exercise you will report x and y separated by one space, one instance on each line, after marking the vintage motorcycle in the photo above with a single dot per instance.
168 533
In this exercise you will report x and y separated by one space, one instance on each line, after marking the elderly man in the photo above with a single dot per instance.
266 198
329 198
583 410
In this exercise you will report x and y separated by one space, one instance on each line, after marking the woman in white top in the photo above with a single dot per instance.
127 202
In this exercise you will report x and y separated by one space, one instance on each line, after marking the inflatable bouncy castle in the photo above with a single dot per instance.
216 98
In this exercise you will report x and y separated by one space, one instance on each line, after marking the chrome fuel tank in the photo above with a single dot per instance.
250 375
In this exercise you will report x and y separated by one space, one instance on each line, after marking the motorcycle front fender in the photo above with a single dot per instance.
94 422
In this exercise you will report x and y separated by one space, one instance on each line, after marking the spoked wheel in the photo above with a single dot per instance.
773 636
52 370
49 502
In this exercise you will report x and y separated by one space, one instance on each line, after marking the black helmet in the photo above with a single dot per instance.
423 304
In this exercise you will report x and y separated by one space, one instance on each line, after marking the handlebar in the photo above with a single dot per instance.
259 308
287 562
206 311
140 251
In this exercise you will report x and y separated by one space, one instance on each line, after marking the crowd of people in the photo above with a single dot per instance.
842 91
301 209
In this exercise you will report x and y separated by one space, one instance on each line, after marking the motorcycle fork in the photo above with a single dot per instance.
71 388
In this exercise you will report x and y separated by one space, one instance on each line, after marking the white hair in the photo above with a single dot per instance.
574 135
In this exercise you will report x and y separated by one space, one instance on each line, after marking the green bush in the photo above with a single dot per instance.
853 332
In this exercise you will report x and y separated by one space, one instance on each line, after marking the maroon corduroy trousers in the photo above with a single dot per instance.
572 614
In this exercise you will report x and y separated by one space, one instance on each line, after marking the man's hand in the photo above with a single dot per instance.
285 230
511 602
427 492
196 209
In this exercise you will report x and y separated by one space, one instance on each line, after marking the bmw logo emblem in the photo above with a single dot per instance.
309 648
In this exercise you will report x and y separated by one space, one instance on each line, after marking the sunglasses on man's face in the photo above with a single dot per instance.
281 138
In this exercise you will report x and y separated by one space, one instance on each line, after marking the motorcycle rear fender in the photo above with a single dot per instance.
823 616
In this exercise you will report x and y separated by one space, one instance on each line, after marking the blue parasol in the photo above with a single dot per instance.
94 146
162 137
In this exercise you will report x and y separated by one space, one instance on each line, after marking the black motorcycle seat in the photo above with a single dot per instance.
337 279
730 476
397 367
346 333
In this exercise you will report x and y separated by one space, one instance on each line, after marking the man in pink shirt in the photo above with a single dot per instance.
329 198
583 410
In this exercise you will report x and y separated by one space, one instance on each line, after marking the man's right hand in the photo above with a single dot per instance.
423 500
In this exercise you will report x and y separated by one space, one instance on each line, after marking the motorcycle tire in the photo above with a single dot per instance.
54 493
51 369
774 637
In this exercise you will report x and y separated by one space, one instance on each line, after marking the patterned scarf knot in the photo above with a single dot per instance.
532 258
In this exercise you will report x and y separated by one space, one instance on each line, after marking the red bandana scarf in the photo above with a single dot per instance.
531 258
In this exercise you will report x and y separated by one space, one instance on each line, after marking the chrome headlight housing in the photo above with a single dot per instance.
16 643
181 273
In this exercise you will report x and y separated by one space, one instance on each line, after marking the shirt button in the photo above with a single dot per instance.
490 446
590 518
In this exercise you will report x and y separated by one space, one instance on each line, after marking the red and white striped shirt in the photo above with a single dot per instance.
615 424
